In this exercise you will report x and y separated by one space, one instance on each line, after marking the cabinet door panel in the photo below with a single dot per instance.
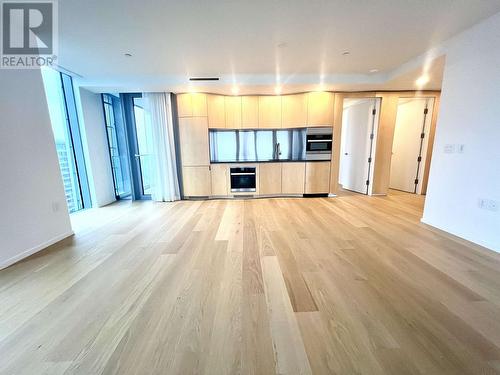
294 110
269 178
269 111
249 112
184 105
292 178
216 111
193 133
320 109
196 181
218 173
199 103
317 177
233 112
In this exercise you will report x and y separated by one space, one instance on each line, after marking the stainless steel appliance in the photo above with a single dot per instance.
243 179
319 143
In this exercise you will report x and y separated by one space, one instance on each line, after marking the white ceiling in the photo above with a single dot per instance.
256 43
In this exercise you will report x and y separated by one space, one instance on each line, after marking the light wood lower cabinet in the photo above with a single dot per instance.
317 177
269 178
292 178
196 181
219 177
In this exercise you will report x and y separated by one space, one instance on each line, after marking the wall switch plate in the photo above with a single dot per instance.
449 148
487 204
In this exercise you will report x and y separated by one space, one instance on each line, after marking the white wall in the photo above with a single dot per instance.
33 211
93 131
469 115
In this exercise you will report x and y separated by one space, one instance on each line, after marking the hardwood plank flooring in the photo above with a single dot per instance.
349 285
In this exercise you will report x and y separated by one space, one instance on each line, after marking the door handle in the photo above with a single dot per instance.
345 153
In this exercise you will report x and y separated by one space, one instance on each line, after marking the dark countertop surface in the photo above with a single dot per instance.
267 161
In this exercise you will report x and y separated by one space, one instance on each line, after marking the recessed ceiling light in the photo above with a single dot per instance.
422 80
235 90
127 54
373 70
277 90
346 53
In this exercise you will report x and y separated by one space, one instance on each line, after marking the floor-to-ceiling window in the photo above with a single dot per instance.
117 140
64 120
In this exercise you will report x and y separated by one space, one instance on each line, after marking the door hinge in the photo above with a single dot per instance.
422 135
369 160
426 111
371 136
419 159
374 111
416 181
367 182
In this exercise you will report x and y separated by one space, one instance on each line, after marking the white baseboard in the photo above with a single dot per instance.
33 250
460 237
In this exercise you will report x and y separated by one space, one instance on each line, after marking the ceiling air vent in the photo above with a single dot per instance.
204 78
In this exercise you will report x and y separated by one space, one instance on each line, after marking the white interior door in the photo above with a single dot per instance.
358 139
410 143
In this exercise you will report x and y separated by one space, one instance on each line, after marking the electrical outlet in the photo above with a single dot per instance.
55 206
449 148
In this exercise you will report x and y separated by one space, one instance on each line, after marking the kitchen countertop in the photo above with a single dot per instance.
268 161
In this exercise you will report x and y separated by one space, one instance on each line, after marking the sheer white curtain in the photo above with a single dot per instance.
158 117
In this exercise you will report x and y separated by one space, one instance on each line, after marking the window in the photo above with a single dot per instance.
64 120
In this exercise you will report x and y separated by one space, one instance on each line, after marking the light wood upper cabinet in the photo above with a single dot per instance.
317 177
249 112
199 103
233 112
216 111
184 105
193 132
191 104
196 181
218 173
269 111
269 178
292 178
320 109
294 110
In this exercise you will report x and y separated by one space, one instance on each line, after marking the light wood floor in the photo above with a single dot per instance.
348 285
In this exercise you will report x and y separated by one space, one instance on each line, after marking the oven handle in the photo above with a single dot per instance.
243 174
319 140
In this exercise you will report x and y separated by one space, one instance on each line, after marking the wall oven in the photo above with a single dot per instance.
243 179
319 143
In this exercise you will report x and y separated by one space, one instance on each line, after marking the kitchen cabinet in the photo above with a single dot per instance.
196 181
193 133
233 112
216 111
320 109
269 111
292 178
184 105
270 178
219 178
317 177
249 112
294 110
191 104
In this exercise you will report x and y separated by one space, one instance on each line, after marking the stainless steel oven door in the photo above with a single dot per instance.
243 180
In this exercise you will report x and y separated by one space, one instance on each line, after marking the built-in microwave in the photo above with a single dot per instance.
319 143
